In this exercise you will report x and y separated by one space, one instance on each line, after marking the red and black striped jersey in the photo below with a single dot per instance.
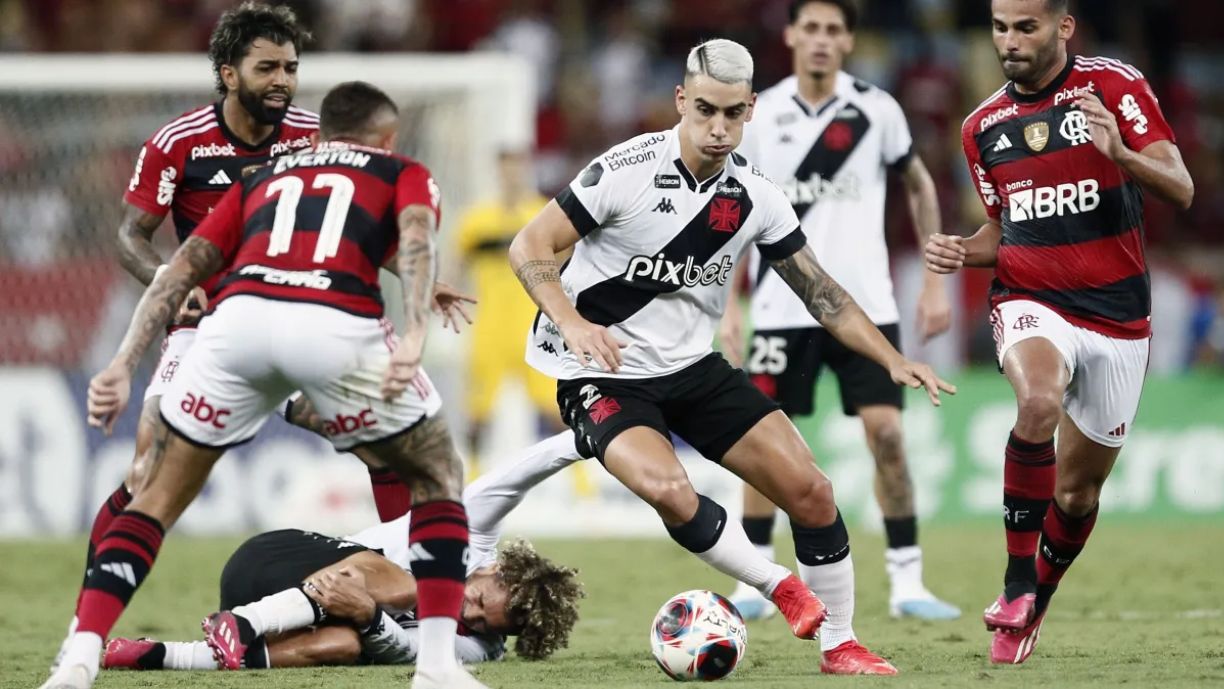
190 162
316 225
1072 219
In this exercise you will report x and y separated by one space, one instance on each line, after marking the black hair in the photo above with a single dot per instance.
348 108
849 9
239 27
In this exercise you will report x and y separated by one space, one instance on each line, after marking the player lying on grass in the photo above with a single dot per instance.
303 599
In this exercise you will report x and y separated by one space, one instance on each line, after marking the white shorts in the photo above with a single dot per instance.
251 354
1106 372
173 348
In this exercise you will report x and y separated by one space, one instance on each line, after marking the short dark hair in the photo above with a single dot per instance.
1059 7
349 107
239 27
849 9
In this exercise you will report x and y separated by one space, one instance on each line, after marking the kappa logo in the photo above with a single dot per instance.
724 215
667 181
548 348
665 206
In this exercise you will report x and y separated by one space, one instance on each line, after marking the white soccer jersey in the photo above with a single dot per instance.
832 162
391 539
657 252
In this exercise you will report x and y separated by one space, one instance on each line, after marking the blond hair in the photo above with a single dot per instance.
544 598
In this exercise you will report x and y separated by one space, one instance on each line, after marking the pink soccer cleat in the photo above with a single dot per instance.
853 658
801 608
128 654
1015 647
221 633
1011 616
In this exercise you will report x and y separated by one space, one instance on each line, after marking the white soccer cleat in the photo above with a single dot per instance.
59 656
924 606
456 679
69 677
751 603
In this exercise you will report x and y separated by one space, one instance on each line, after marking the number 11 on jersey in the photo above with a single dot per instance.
290 190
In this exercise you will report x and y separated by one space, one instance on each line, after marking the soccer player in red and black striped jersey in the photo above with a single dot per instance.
1061 156
300 242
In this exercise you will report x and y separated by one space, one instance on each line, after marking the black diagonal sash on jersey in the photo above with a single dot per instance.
825 161
616 299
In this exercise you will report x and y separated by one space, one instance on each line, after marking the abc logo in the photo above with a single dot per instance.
201 410
344 423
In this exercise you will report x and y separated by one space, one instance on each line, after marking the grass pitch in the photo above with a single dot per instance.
1142 607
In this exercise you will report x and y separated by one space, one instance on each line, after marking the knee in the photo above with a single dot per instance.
810 502
672 497
1039 410
887 441
1078 498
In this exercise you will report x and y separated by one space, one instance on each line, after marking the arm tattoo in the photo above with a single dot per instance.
824 298
533 273
427 455
195 260
136 252
416 263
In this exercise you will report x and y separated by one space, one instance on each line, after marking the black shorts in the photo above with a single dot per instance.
785 365
277 560
709 404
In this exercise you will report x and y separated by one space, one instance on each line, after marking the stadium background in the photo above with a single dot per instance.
583 75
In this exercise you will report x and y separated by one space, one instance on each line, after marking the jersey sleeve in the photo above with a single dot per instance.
591 199
387 643
154 181
897 145
1139 117
223 227
983 182
781 236
415 186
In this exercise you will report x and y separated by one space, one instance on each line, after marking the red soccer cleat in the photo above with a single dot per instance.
128 654
801 608
1010 616
852 658
221 633
1015 647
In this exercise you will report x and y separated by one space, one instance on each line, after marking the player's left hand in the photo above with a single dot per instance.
916 375
193 308
1102 125
342 594
404 366
448 302
934 311
108 397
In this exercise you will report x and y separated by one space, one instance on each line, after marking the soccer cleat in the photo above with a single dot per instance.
456 679
924 607
801 608
751 603
221 633
852 658
70 677
128 654
1012 615
1014 648
59 656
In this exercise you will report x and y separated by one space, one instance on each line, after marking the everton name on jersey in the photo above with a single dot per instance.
657 251
1072 219
832 161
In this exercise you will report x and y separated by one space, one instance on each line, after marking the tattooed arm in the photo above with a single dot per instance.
417 267
136 252
533 257
195 260
837 312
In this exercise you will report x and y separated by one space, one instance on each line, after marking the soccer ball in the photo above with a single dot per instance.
698 635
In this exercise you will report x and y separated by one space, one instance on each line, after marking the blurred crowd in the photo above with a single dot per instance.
606 69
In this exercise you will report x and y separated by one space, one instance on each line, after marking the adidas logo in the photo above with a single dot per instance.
417 553
1118 432
221 178
123 570
1002 144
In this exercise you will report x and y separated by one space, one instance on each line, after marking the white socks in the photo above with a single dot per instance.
188 655
436 657
85 648
904 567
280 612
734 555
834 585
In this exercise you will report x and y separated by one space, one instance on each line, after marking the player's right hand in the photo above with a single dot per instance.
193 307
592 344
945 253
342 594
917 375
731 333
108 397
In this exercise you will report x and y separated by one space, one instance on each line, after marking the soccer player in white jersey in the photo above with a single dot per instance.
627 327
829 140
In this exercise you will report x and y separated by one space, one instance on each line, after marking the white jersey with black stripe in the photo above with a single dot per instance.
832 161
657 254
